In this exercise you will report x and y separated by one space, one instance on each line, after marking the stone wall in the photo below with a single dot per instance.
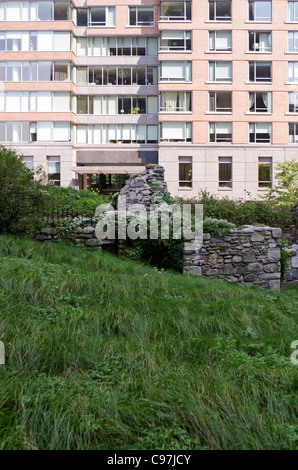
291 274
139 188
250 256
79 236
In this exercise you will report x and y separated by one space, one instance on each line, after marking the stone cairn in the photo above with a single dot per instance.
139 188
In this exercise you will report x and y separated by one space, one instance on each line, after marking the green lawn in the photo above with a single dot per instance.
105 353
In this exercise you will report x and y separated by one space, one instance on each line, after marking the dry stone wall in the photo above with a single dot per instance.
250 256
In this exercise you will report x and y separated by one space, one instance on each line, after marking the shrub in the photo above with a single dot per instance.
83 201
217 226
285 192
21 196
241 212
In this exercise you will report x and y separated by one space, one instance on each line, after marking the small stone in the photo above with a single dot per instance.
237 259
49 231
89 230
277 232
249 257
257 237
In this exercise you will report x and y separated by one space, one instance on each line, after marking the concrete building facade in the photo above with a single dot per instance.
93 90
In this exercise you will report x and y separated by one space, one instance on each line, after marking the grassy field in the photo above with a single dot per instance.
105 353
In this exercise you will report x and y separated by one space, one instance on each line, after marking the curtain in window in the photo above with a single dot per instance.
251 101
264 44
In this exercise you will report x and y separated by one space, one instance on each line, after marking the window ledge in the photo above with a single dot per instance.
219 21
291 114
291 22
140 26
175 112
173 81
258 83
291 52
185 189
174 52
258 114
218 113
99 26
175 21
225 189
208 82
218 52
258 52
291 83
259 22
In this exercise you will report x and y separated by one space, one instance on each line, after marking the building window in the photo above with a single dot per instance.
32 71
293 102
265 172
220 41
141 16
117 46
220 101
28 162
175 11
175 101
61 11
220 71
45 11
175 71
293 11
130 75
54 175
260 71
260 11
102 16
293 72
293 133
293 41
185 172
220 10
220 132
82 17
260 102
175 41
113 134
225 172
260 41
260 132
176 132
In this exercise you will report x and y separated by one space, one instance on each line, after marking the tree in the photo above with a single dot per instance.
20 195
285 192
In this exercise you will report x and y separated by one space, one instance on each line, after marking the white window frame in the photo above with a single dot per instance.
216 127
256 124
147 24
219 18
261 19
215 62
216 49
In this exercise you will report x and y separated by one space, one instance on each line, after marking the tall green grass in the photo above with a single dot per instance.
106 353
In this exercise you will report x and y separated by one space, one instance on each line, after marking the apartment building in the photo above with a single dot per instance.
93 90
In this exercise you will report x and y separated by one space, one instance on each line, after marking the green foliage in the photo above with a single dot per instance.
107 353
82 201
284 256
241 212
21 197
285 192
217 226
